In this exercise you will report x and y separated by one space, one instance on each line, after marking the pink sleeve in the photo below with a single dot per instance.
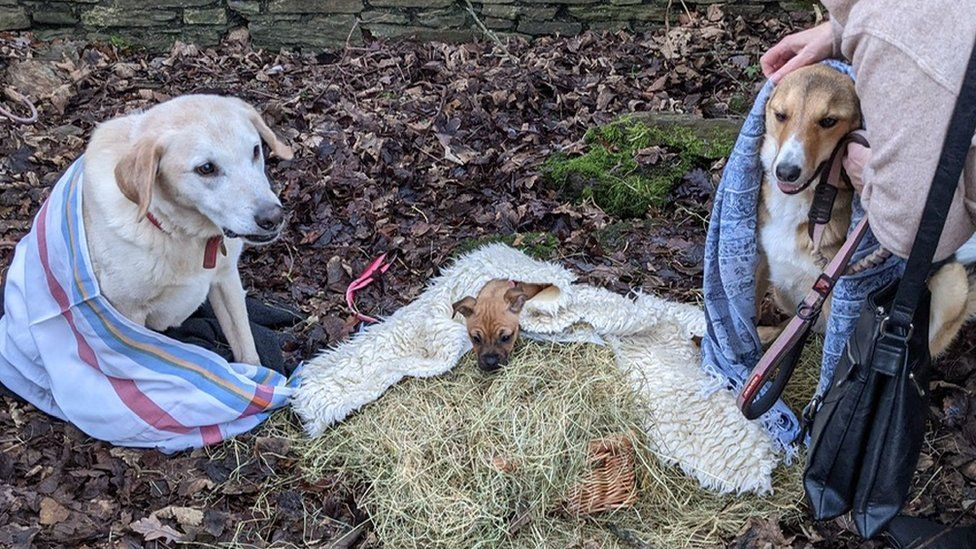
838 31
906 113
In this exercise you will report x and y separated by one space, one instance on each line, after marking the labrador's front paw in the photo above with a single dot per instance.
249 358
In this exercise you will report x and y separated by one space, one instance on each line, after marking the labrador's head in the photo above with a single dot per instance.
200 159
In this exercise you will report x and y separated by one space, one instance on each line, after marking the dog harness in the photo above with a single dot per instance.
66 350
372 273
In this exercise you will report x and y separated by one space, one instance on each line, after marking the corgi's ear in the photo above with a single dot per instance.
516 299
770 99
464 306
136 173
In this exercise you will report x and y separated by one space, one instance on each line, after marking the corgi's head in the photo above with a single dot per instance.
809 112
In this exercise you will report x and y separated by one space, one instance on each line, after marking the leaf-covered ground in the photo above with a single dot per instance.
421 149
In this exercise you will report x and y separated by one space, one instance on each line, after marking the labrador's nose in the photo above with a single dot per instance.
787 172
269 217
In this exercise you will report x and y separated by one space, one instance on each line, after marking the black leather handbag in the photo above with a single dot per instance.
868 431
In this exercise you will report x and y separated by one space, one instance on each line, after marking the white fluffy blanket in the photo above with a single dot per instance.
702 433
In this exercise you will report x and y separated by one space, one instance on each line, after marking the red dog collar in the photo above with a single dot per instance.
214 244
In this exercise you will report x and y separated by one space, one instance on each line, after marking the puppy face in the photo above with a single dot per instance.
202 156
809 112
493 321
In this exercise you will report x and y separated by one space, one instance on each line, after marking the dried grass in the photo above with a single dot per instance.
474 460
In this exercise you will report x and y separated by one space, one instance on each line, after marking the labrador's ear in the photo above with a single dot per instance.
516 299
464 306
277 146
136 173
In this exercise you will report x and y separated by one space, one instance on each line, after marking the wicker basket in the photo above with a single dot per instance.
611 481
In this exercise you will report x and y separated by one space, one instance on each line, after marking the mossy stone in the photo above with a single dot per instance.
609 173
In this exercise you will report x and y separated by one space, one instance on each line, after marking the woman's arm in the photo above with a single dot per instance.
855 159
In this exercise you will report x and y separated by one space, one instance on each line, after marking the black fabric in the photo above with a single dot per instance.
203 330
914 533
867 433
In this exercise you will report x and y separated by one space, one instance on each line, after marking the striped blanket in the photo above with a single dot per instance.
65 349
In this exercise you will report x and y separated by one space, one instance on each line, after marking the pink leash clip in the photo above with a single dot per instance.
369 275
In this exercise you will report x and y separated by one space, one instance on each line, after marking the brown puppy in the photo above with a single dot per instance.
493 319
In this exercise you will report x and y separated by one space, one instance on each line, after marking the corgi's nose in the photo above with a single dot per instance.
787 172
269 217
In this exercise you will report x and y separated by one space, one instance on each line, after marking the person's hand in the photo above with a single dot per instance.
798 50
855 160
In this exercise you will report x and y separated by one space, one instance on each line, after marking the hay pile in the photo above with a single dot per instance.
474 460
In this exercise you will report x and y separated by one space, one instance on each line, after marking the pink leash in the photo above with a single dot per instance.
25 101
777 364
371 274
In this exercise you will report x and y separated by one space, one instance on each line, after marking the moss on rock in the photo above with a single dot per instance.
613 173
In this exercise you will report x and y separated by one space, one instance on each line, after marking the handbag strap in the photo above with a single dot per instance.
955 148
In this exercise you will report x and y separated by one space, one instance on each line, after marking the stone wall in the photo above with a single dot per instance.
322 24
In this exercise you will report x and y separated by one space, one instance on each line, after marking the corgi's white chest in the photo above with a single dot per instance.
792 269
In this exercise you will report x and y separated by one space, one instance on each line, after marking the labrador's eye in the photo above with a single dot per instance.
781 116
827 122
257 151
505 338
476 339
206 169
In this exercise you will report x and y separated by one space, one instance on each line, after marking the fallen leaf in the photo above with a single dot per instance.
151 529
185 516
52 512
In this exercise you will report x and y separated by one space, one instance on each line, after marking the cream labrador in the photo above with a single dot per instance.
170 196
